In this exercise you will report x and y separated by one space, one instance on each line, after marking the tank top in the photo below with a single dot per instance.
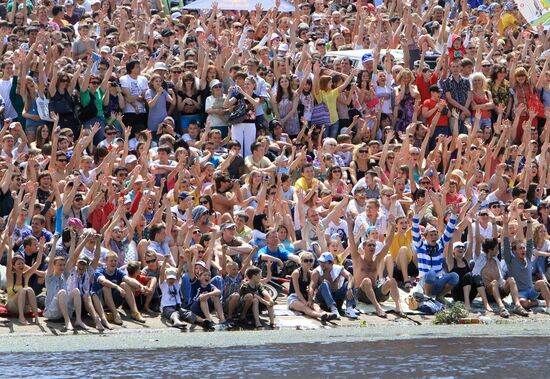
15 287
485 113
302 284
461 271
33 109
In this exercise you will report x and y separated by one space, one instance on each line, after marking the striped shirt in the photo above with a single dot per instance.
430 257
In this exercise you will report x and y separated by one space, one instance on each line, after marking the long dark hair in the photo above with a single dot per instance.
257 222
280 93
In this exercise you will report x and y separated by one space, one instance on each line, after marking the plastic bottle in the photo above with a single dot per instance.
486 320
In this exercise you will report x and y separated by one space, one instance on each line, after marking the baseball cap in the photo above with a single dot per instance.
198 212
435 88
176 15
227 225
459 245
166 32
283 47
68 2
367 57
130 159
326 257
105 49
200 263
183 195
430 228
171 273
75 223
84 258
214 83
274 36
160 66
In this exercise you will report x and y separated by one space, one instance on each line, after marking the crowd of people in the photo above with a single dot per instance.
171 162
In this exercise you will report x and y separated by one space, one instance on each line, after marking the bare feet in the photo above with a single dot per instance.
98 325
37 321
106 323
68 326
23 321
81 325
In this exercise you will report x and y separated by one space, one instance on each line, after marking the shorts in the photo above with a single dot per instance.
183 314
291 299
529 294
196 307
380 296
411 268
117 297
225 305
503 293
53 312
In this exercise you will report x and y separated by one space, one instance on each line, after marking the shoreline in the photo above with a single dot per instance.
161 338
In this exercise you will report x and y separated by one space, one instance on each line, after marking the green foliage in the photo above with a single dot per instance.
452 314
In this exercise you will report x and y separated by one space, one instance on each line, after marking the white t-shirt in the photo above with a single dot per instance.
137 87
171 295
5 89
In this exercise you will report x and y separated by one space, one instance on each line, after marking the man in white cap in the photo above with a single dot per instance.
332 285
433 280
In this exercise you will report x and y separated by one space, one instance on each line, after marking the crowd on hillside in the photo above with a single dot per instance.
171 162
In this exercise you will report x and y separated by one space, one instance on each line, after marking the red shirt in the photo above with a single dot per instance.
430 104
423 87
100 216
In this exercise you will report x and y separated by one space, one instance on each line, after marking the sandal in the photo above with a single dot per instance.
503 312
381 315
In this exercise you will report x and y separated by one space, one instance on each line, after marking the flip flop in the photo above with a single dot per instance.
381 315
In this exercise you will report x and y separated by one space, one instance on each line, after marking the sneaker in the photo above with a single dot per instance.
335 312
228 324
333 316
350 312
325 317
208 325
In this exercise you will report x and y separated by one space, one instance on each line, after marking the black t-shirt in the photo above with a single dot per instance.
251 112
42 195
6 203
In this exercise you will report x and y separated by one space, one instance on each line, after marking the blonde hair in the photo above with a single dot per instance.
402 73
479 75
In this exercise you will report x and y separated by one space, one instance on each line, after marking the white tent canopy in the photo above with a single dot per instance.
240 5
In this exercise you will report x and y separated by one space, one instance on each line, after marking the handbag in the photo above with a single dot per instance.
320 115
239 112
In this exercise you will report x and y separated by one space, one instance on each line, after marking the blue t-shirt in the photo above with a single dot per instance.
115 277
197 289
280 253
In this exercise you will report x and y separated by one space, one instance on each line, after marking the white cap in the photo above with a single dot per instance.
130 159
283 47
105 49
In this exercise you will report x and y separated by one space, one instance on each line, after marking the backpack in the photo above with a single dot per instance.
86 113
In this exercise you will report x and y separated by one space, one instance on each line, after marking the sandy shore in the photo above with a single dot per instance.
294 329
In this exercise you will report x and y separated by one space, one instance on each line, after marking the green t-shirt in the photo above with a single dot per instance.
329 98
85 100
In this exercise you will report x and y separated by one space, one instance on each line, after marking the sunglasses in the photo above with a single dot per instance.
486 65
95 82
63 80
336 171
363 151
110 133
196 232
307 260
371 244
151 261
62 160
424 183
176 72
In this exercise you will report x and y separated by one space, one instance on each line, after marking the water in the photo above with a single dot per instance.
428 358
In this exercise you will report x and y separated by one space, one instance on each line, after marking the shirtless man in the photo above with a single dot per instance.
488 266
365 265
228 193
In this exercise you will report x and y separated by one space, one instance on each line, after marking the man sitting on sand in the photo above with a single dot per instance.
370 290
434 282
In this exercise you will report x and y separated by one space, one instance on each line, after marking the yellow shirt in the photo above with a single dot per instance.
400 241
329 98
506 21
301 183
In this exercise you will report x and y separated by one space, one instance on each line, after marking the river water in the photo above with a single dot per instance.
474 357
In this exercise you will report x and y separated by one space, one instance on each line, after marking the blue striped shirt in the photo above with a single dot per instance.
430 258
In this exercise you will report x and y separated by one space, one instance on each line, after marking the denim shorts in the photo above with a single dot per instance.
529 294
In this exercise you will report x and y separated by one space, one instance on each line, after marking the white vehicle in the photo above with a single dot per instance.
356 55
